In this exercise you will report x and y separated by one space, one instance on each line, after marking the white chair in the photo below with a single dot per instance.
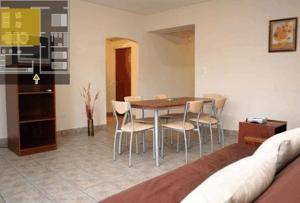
131 127
149 120
214 117
194 107
167 116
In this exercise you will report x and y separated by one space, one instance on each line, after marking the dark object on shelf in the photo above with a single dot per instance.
31 114
255 134
90 127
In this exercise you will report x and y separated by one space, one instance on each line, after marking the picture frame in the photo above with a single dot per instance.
283 35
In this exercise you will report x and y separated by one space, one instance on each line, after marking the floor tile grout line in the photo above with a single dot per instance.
29 182
77 188
70 182
50 170
88 150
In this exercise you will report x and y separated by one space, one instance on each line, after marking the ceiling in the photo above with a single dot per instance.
146 7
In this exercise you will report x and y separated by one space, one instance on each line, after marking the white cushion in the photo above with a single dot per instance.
242 181
286 152
178 125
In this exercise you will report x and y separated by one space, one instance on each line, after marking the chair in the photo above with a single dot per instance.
214 117
194 107
149 120
131 127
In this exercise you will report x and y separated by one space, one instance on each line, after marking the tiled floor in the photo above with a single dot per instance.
82 170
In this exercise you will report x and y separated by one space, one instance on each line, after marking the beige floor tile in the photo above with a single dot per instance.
82 169
78 197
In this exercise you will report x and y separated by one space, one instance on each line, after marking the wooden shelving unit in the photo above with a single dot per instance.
31 122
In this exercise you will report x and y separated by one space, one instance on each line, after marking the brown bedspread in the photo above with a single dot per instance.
285 187
174 186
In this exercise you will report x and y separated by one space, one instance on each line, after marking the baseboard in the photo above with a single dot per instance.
3 143
231 132
79 130
226 131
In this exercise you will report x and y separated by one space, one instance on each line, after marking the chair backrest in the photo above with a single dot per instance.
132 98
135 112
195 107
218 105
218 99
122 108
160 96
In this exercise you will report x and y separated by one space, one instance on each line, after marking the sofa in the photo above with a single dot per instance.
174 186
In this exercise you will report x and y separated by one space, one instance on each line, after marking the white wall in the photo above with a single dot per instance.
166 67
232 56
157 69
90 26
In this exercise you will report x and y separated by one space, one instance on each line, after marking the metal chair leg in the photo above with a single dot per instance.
204 133
200 141
185 147
120 142
130 149
115 142
211 138
222 134
219 133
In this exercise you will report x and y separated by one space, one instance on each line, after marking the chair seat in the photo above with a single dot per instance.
206 119
178 125
172 116
136 127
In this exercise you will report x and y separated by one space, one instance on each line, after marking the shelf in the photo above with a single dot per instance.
37 134
31 112
34 93
36 107
34 150
24 121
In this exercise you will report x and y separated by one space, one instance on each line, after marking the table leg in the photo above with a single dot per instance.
156 133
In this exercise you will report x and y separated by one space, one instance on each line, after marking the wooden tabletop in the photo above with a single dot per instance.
165 103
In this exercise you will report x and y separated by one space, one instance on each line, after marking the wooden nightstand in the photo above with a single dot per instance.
255 134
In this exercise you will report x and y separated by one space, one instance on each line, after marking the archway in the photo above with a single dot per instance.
129 48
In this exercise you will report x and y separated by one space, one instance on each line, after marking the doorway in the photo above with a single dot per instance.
121 70
123 73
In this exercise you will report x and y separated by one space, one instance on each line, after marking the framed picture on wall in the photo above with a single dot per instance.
283 35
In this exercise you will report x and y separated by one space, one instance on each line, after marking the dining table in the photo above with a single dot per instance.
158 105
